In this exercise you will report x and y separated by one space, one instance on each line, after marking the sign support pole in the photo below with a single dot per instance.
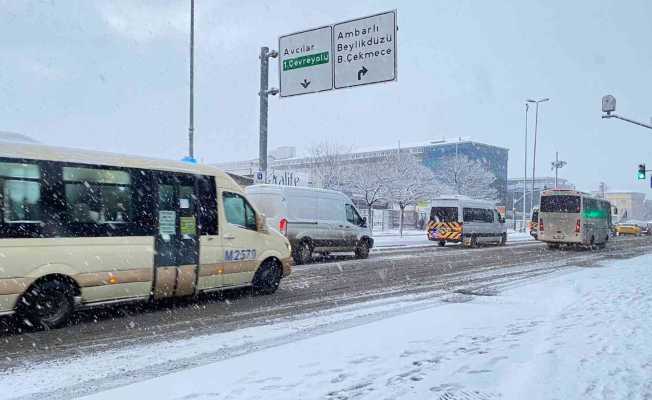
265 54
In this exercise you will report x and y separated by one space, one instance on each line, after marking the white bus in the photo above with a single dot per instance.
569 217
460 219
84 228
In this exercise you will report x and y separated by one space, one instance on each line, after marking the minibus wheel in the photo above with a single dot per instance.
268 277
47 304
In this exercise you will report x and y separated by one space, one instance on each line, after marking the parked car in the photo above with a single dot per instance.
627 229
314 220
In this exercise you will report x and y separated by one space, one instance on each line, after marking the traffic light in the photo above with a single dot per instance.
641 172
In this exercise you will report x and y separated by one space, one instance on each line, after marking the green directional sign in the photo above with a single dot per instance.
306 61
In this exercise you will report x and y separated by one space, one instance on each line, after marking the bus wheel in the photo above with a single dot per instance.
442 243
47 305
267 278
503 239
303 253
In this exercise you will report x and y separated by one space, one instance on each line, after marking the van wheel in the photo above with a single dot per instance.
362 250
267 278
47 305
442 243
303 253
503 239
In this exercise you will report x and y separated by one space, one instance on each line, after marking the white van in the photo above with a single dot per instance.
460 219
314 220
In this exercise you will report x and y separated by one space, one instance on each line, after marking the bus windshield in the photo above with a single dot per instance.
443 214
560 204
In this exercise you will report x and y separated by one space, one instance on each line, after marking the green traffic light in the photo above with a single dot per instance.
640 176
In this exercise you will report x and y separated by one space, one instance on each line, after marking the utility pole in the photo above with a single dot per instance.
191 125
265 54
534 155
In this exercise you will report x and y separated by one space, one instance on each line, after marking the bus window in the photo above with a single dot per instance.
20 188
560 204
443 214
97 196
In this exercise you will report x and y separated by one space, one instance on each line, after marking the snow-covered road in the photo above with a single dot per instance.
575 333
584 334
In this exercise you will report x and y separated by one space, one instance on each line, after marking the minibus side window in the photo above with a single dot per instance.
97 196
20 191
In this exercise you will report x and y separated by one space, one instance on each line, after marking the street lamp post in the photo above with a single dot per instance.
527 106
191 122
534 154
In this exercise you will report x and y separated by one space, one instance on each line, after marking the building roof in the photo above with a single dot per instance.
361 153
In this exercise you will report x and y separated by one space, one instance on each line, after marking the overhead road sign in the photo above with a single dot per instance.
352 53
364 50
305 62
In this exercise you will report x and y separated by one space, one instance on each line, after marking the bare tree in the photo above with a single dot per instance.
369 182
408 182
326 164
465 176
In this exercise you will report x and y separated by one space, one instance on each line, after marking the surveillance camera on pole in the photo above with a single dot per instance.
608 108
608 104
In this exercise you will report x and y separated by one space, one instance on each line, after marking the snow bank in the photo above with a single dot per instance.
586 334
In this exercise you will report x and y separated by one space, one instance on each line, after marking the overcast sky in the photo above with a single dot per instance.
114 76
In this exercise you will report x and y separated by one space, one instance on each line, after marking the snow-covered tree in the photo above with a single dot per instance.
408 182
368 182
465 176
326 164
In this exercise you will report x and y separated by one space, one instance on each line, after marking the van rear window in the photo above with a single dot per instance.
560 204
443 214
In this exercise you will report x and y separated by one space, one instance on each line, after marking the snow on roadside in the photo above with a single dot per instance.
584 334
162 357
383 240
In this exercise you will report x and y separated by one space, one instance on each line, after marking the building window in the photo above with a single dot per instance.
20 188
98 196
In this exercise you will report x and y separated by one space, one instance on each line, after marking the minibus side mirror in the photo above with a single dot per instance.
261 223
